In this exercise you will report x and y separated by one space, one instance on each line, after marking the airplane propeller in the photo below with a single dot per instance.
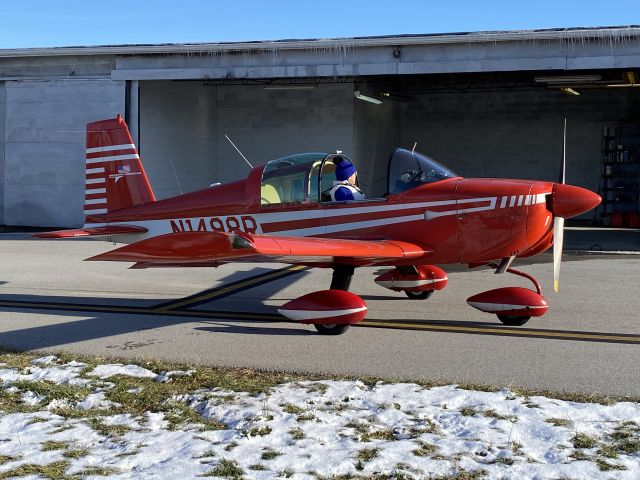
558 222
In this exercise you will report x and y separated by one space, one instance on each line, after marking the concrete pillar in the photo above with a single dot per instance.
2 146
133 111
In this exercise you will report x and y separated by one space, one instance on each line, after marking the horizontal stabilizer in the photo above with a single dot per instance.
202 247
92 232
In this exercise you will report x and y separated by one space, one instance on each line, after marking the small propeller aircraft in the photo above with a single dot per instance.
280 213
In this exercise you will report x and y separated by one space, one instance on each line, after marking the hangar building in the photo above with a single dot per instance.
484 104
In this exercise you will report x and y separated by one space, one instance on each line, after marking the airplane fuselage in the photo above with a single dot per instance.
460 220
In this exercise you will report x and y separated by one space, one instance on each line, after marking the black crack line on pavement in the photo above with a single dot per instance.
430 326
222 291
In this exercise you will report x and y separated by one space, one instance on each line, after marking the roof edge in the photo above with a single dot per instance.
578 33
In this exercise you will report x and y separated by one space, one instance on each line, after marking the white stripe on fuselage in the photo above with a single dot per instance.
163 226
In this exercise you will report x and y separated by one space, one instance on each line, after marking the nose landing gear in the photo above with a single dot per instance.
513 306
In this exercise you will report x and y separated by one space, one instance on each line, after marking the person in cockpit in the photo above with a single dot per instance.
345 187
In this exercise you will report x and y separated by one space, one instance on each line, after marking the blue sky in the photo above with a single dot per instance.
39 23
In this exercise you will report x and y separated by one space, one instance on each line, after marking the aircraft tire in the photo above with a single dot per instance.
331 329
513 320
418 295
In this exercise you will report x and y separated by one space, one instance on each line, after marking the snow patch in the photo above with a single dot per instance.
329 428
108 371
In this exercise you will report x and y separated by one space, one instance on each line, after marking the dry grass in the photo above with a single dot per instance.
55 470
257 381
226 469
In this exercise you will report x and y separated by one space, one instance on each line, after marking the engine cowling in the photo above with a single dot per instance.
337 307
428 279
516 301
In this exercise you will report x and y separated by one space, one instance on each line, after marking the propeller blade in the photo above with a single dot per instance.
558 239
564 154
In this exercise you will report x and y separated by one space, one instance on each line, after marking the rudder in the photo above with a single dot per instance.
115 177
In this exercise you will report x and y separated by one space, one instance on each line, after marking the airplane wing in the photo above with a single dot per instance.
200 248
92 232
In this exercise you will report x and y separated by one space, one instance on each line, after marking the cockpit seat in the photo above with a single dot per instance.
269 194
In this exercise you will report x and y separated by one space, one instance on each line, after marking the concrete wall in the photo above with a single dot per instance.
185 122
517 134
2 122
45 147
377 132
177 136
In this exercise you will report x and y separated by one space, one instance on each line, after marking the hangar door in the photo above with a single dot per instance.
44 154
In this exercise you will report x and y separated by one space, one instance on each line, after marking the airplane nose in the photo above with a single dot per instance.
568 201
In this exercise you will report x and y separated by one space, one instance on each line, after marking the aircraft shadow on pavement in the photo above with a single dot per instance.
94 324
253 330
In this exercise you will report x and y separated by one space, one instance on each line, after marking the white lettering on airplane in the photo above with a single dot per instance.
242 223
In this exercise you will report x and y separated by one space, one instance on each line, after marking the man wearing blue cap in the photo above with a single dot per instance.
345 187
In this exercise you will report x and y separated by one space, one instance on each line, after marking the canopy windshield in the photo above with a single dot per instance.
410 169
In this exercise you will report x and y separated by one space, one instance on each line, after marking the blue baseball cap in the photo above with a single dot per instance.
344 170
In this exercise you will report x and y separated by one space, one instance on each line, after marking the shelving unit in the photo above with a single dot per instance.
620 185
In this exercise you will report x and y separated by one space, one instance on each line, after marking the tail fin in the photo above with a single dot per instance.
115 178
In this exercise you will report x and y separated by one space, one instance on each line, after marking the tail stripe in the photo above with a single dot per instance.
93 196
113 158
94 206
95 170
91 191
95 212
96 201
110 148
91 181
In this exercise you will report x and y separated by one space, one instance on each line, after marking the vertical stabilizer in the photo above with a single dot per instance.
115 178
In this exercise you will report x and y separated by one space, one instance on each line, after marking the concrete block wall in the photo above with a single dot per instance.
177 136
268 124
44 133
377 132
186 122
516 134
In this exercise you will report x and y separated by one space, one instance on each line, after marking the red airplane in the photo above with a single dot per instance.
280 213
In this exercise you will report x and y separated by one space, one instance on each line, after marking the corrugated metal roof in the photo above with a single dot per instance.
612 33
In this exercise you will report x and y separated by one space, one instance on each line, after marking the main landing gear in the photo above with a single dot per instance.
340 280
329 311
418 295
418 282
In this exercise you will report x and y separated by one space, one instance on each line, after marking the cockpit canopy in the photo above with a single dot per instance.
410 169
300 178
307 177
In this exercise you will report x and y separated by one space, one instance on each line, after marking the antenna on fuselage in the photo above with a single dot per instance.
238 150
414 147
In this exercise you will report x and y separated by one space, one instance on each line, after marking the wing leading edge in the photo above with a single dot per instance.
198 248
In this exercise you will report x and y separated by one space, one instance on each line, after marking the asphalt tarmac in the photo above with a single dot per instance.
589 342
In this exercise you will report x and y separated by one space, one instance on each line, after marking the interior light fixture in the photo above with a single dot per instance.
569 79
366 98
623 85
569 91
